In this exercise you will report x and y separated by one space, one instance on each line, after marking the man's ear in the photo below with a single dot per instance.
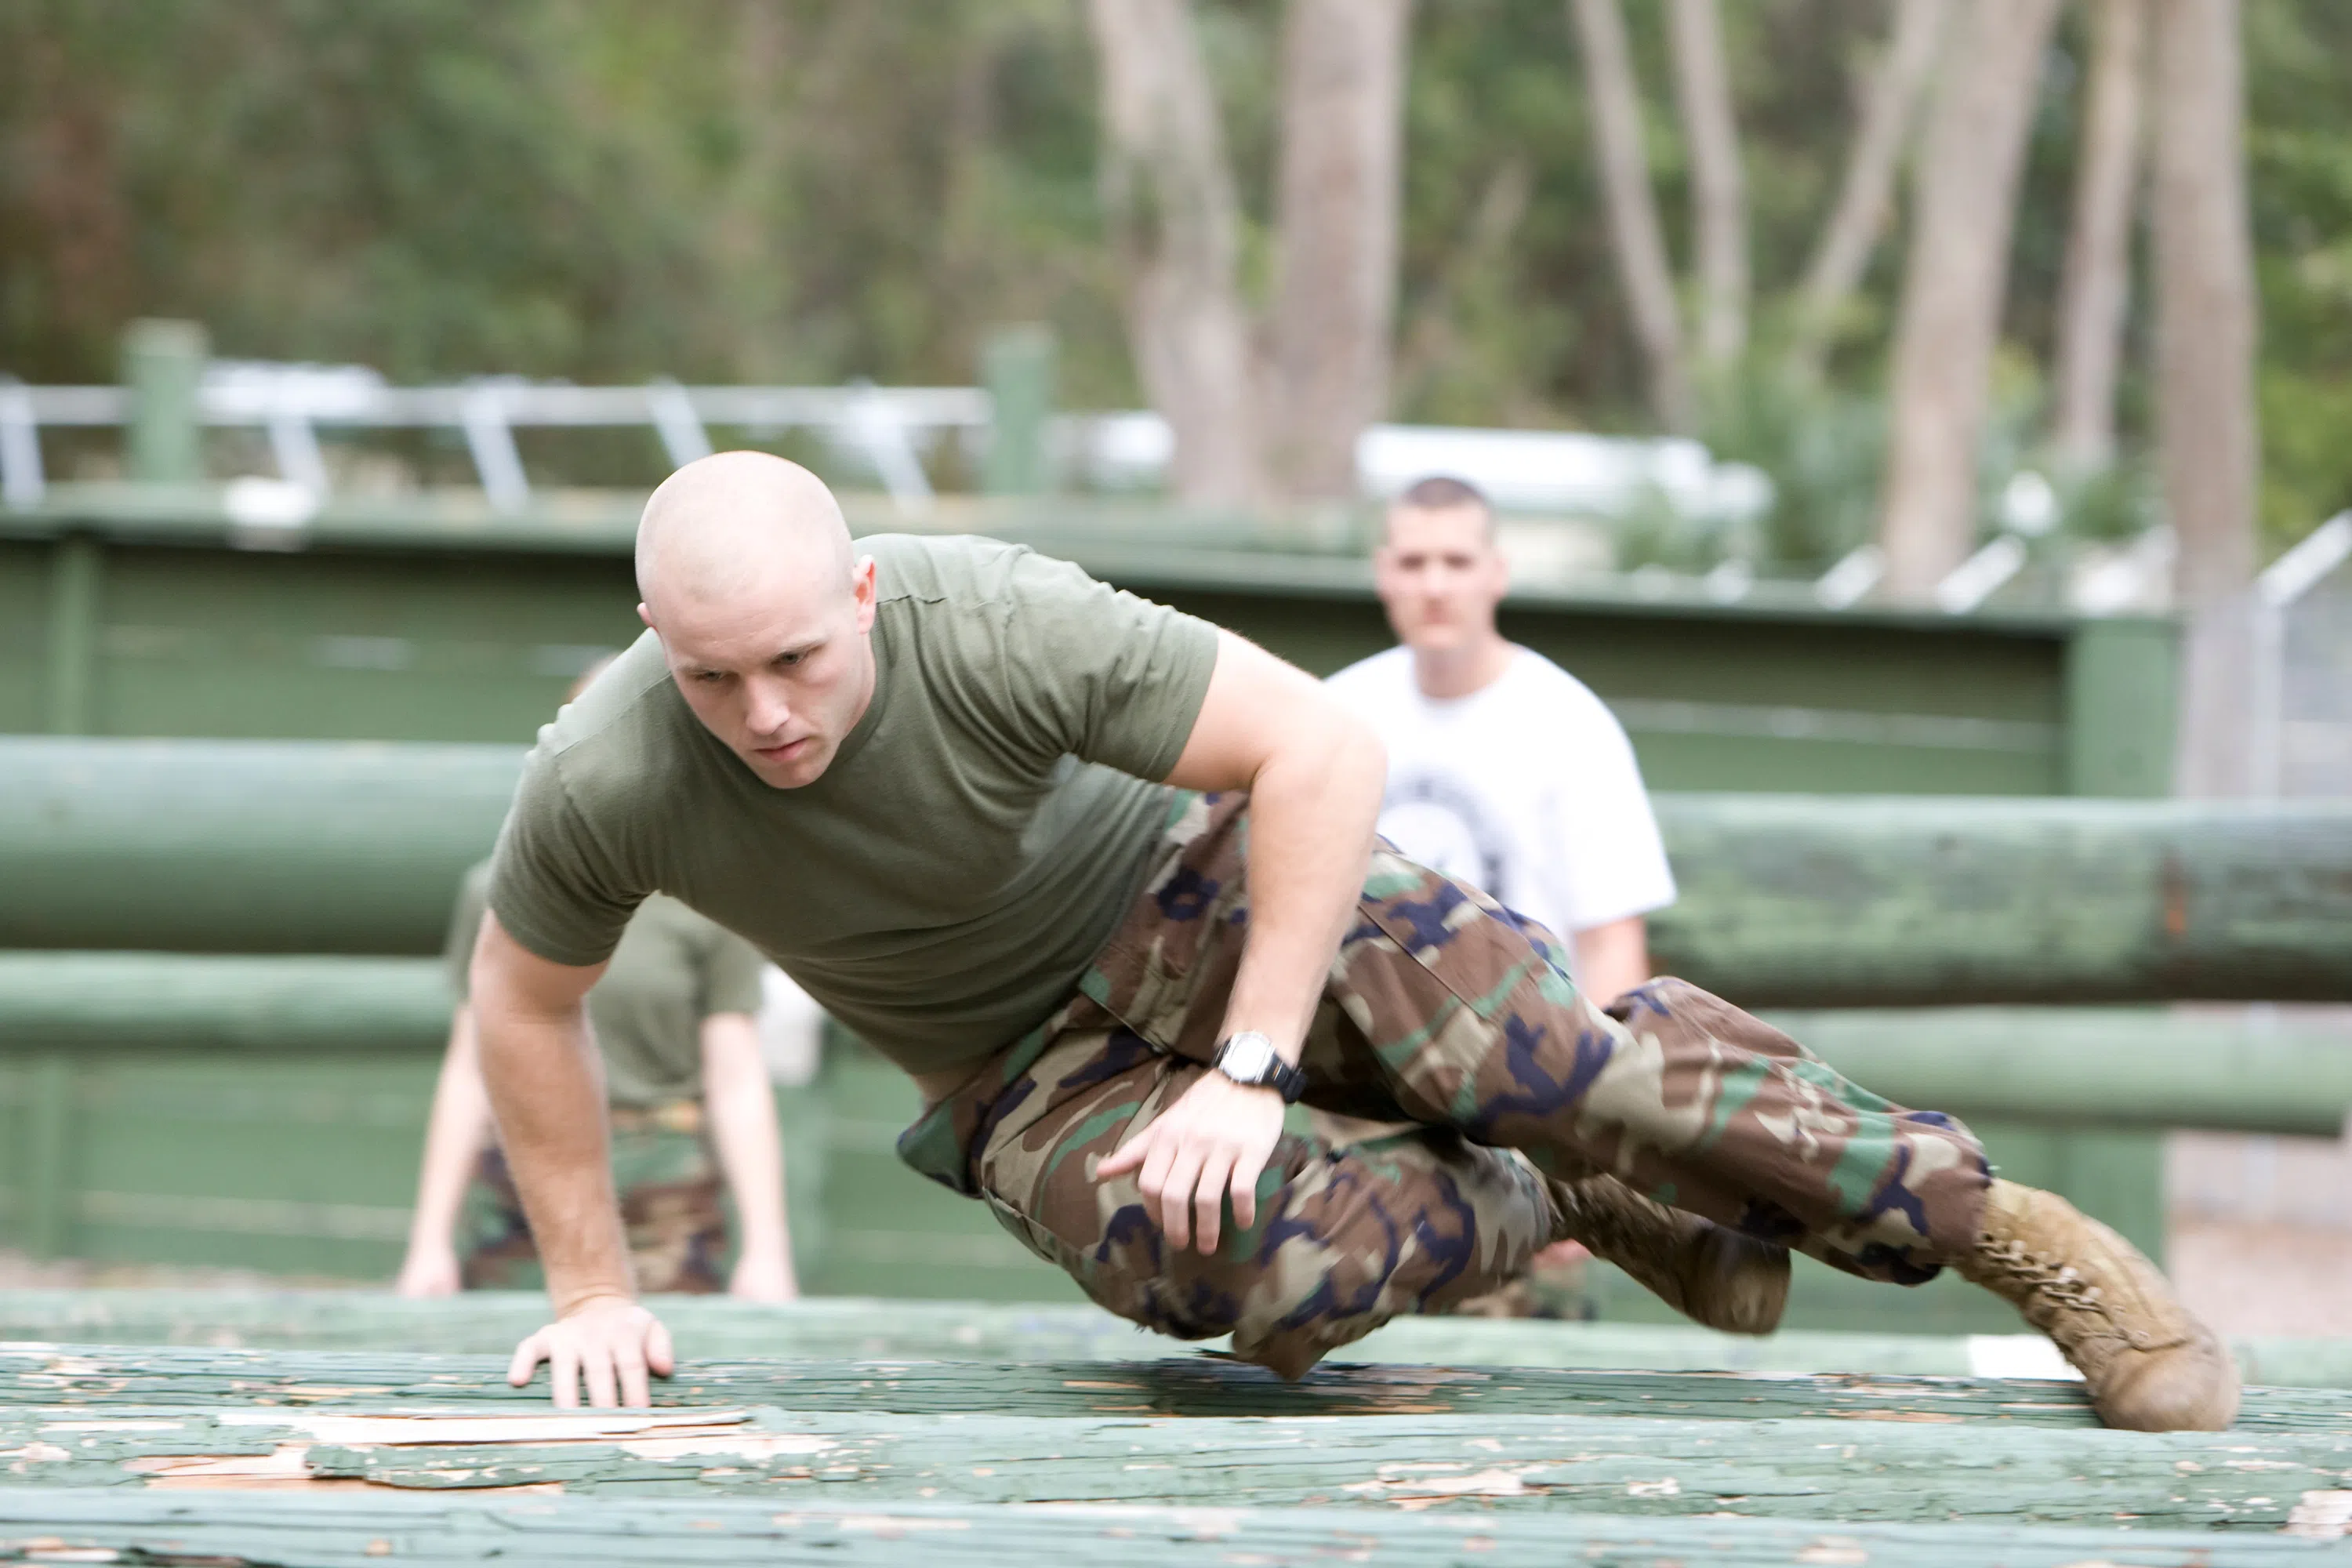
645 615
862 587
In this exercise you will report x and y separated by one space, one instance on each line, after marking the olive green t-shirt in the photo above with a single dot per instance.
942 887
672 970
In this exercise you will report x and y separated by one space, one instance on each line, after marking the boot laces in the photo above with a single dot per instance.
2063 1287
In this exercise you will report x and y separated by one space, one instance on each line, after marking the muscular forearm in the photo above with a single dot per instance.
546 1088
1312 808
742 1112
454 1137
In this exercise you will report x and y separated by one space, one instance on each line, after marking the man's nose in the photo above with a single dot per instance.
766 711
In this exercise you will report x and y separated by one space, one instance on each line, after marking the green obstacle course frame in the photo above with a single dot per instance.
165 609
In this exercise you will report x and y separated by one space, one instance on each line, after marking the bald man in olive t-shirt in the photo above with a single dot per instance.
1102 878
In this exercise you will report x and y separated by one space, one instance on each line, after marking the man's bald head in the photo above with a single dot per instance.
735 523
762 609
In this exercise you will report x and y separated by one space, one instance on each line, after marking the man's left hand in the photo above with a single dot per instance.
1216 1139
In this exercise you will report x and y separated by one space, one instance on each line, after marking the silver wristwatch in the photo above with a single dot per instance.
1248 1058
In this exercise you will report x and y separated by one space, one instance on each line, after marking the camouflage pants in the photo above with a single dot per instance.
1453 1070
668 1183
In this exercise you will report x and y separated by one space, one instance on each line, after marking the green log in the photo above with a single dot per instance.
1789 900
242 847
1889 1470
2087 1067
363 1530
854 1328
2090 1067
1194 1386
216 847
314 1005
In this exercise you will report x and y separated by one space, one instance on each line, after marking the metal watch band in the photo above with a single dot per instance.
1248 1058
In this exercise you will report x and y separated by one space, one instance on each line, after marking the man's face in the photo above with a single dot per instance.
781 674
1440 577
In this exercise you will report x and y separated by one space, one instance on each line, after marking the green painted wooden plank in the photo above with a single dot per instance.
361 1530
1892 1470
1199 1386
1313 551
489 1322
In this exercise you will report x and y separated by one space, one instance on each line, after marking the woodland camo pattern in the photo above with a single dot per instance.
1452 1069
668 1181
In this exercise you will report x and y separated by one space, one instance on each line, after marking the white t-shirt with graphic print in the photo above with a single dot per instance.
1527 788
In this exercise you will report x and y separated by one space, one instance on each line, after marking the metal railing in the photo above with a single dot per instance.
291 403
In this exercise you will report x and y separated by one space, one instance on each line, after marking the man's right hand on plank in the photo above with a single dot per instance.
608 1344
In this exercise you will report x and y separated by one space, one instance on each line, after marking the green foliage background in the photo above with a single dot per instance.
808 190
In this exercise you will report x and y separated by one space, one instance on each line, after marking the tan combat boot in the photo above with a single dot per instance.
2150 1365
1707 1272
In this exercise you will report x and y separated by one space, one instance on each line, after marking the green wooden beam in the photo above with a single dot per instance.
2070 1068
363 1529
1893 901
2092 1067
241 846
1862 1469
232 1003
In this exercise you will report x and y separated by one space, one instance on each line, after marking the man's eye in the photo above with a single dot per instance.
787 660
709 677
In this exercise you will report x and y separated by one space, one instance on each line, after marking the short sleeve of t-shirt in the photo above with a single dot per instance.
1095 671
557 889
731 973
465 926
1611 863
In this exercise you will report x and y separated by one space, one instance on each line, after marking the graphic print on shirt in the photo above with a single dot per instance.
1443 825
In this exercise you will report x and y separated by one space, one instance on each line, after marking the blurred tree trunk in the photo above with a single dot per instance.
1334 303
1642 264
1168 196
2205 334
1866 194
2096 289
1718 188
1955 275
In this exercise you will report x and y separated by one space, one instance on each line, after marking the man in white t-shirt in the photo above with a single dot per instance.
1504 769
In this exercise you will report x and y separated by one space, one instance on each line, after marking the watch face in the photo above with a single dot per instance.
1248 1058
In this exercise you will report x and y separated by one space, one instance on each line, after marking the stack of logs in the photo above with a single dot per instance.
873 1432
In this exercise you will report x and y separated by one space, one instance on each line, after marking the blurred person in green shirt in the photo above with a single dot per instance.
688 1100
